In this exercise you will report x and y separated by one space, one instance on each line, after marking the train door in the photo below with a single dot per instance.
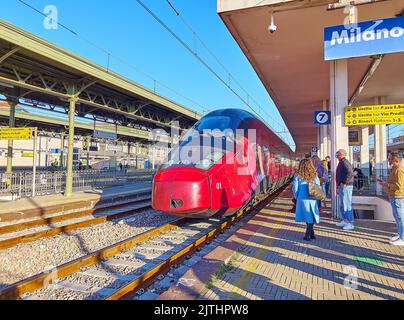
266 168
281 171
239 175
272 170
277 171
283 168
260 170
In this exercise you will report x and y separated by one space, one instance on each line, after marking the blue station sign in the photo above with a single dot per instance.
364 38
322 118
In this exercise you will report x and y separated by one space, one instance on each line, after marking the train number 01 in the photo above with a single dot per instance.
218 185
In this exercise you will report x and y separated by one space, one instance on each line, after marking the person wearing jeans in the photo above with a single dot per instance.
395 188
345 204
345 178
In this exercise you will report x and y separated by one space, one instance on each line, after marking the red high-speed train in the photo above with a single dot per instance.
217 166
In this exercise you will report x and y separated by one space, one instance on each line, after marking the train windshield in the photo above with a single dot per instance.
215 127
221 123
204 144
198 157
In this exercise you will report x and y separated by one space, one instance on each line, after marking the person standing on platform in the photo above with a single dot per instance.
345 178
328 159
322 175
395 188
327 165
306 207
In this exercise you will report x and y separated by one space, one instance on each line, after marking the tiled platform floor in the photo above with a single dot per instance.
274 262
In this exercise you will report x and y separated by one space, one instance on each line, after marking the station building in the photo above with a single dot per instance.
285 43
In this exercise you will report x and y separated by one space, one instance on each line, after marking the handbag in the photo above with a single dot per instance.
316 191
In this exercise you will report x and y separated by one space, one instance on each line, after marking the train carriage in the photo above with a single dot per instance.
228 159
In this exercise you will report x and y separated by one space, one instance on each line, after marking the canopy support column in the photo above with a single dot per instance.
70 149
88 142
380 151
324 137
11 124
365 151
153 157
339 133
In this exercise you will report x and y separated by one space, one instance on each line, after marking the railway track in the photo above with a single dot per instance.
119 270
39 227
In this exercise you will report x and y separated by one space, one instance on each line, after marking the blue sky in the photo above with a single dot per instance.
124 29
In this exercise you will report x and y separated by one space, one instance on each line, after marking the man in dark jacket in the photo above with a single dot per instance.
345 179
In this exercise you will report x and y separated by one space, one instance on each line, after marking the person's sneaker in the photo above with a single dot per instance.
398 242
349 226
341 224
395 238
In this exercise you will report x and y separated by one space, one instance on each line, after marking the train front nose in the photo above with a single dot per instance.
182 191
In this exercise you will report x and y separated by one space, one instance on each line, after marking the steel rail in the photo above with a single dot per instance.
148 277
67 216
36 282
7 243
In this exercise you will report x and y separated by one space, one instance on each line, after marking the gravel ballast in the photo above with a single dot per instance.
28 259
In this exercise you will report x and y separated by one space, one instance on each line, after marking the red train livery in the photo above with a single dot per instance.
225 161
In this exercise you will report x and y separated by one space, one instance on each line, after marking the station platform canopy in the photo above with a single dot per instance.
290 62
51 125
44 74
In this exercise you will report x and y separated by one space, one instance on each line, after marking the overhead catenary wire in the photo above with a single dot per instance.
199 58
231 76
110 55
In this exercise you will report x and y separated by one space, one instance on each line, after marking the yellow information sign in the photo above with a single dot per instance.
27 154
374 114
15 133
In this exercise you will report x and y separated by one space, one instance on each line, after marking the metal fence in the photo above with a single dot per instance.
20 184
366 183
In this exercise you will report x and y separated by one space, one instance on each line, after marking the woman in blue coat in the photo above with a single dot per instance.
306 207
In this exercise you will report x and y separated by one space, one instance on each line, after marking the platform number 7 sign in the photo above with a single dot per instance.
322 117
